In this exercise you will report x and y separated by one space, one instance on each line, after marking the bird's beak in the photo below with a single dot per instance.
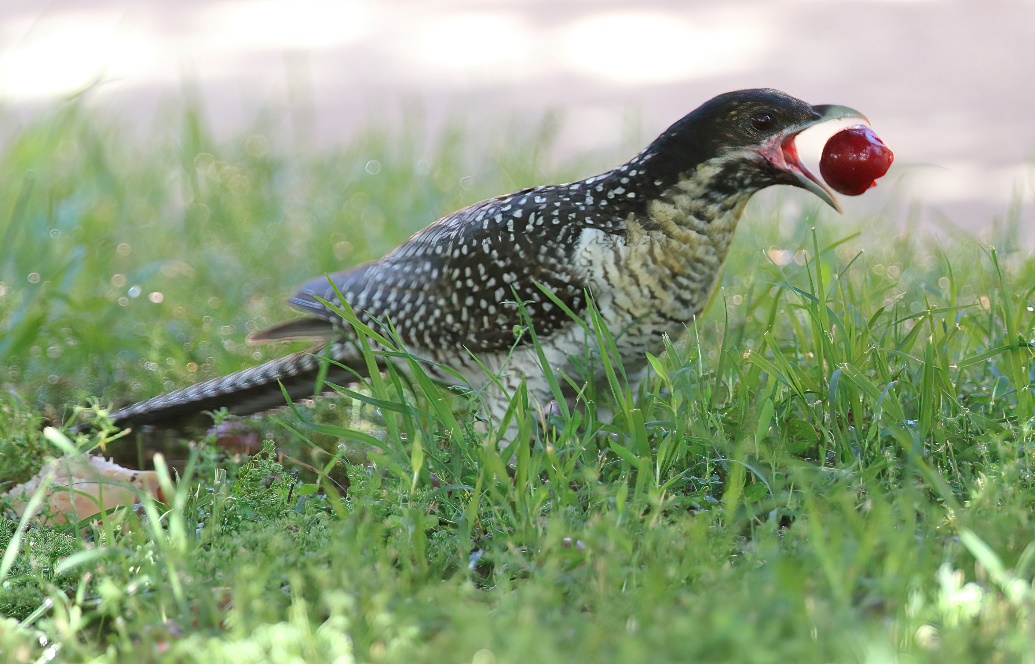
783 153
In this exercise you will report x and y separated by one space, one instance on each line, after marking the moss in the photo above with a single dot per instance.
33 573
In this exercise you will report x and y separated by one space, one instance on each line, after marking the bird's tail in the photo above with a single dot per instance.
251 390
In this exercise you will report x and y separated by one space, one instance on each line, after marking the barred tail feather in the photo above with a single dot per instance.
249 391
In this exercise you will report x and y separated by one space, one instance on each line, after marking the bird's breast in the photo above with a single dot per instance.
653 280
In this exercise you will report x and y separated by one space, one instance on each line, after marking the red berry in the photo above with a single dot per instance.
853 159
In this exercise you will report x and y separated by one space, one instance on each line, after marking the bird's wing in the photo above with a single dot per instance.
457 282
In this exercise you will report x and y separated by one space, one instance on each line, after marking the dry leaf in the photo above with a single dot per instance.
82 486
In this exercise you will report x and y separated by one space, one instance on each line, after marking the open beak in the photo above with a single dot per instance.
783 153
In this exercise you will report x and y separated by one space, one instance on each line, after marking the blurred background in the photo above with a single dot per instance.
946 84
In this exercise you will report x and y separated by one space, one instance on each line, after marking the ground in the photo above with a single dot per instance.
834 463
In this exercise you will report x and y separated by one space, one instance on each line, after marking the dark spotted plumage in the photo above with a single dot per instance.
646 240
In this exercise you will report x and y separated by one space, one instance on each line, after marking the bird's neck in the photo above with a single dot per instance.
707 199
662 192
671 249
675 183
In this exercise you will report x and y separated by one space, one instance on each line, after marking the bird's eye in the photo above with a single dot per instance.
761 121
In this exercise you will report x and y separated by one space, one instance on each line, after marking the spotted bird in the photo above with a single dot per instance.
645 241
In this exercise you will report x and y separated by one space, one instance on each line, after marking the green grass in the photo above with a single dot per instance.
835 463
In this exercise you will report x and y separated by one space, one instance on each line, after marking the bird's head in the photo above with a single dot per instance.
749 137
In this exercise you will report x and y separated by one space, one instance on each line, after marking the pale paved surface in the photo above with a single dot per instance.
947 84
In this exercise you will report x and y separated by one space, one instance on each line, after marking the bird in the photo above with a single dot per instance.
643 243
